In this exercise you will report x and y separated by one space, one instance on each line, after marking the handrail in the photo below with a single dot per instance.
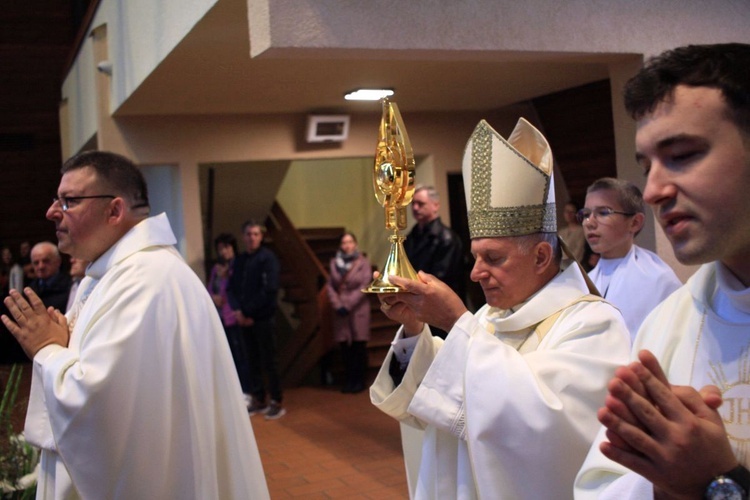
307 344
286 223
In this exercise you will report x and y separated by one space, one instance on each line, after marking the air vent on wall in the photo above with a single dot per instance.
327 128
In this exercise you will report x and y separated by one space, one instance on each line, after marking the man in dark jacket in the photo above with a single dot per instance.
433 247
252 293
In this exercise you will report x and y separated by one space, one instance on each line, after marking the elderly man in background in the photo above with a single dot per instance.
51 285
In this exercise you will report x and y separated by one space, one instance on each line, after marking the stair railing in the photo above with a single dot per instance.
311 338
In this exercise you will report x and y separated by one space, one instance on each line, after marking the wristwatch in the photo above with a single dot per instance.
732 485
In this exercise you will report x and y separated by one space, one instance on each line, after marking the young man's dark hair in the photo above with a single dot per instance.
723 66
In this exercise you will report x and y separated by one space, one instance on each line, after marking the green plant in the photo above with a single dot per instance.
18 459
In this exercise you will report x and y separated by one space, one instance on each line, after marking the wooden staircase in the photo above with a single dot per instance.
304 255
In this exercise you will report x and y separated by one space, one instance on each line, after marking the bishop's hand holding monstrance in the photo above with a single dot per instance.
393 180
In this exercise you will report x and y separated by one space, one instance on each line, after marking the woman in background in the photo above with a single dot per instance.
226 249
11 273
350 272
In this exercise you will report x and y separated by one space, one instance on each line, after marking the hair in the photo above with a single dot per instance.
49 245
3 248
226 239
348 233
432 193
628 195
253 223
725 67
117 172
527 241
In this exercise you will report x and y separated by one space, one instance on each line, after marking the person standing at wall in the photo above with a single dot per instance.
572 232
350 272
433 247
253 290
218 283
12 272
24 258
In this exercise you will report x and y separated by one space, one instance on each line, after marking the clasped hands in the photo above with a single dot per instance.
243 320
32 324
428 300
671 435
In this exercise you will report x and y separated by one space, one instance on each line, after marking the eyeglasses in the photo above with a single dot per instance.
599 213
65 201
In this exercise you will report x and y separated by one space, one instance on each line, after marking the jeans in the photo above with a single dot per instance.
260 340
236 340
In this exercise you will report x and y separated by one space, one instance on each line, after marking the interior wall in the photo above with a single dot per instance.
340 193
336 193
242 191
438 140
164 194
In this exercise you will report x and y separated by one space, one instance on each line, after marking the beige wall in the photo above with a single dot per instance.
193 143
336 193
239 189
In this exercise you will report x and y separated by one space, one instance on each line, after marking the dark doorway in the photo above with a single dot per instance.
460 224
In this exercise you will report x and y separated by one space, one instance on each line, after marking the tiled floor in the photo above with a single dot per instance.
331 445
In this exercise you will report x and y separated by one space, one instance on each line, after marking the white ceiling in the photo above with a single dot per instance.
211 72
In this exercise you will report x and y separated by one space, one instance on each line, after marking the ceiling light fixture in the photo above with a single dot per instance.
368 94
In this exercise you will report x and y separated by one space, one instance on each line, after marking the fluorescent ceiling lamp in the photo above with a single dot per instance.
368 94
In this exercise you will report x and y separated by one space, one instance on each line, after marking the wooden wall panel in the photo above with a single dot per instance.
35 39
578 125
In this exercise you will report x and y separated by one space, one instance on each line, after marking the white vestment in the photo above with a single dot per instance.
145 401
635 284
700 335
506 418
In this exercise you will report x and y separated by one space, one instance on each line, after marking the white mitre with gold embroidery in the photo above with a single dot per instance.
509 186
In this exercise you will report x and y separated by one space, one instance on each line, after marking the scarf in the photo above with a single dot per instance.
345 261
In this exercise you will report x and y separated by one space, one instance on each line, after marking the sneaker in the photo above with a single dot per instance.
257 407
275 411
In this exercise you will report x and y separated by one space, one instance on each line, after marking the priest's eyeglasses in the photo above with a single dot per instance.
600 214
65 201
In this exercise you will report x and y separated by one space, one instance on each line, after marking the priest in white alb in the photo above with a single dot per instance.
134 394
508 401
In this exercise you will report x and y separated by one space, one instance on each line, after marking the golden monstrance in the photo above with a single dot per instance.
393 181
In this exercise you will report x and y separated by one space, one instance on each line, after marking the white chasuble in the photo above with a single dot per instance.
145 400
695 346
504 424
638 283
